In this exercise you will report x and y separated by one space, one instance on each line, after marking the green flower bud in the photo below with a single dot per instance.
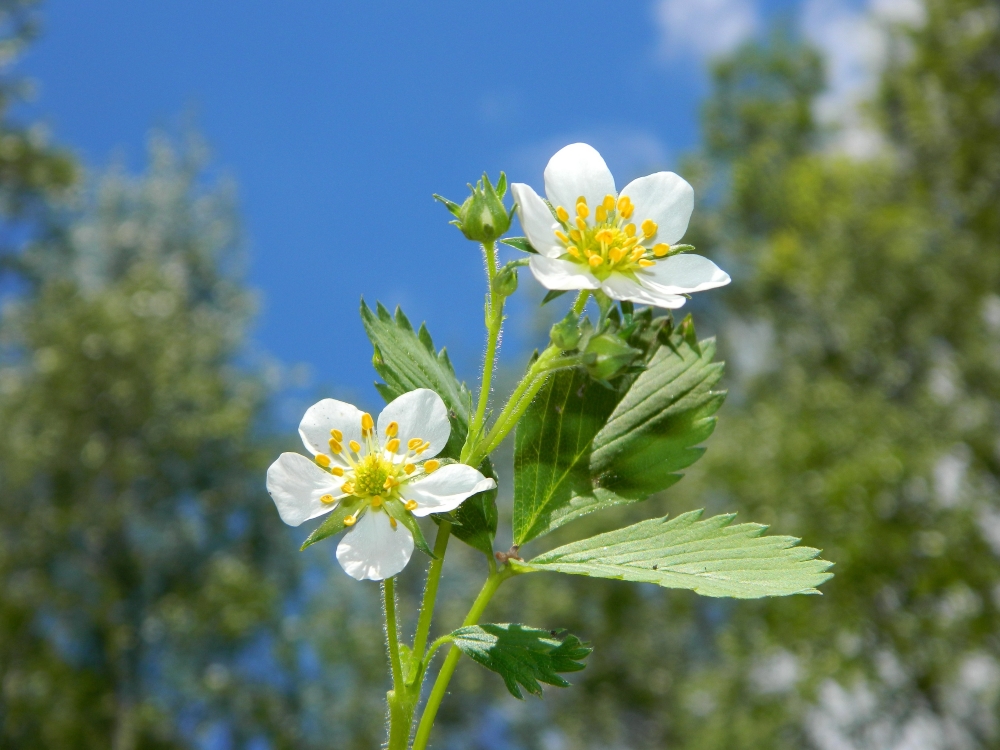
607 355
482 217
566 333
506 280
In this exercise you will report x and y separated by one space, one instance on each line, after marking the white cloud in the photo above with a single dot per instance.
706 28
854 42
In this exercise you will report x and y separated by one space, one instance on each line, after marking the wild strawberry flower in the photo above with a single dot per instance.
377 466
620 243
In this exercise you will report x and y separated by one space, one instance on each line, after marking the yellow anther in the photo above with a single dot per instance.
595 260
637 253
573 250
337 471
355 446
660 250
367 423
563 214
616 254
414 443
335 447
389 483
630 230
393 445
605 235
582 210
646 262
582 199
323 460
408 468
649 227
431 465
581 224
351 520
327 499
627 211
423 447
630 242
609 202
392 522
347 487
392 429
411 505
601 214
337 435
587 252
376 502
562 236
575 235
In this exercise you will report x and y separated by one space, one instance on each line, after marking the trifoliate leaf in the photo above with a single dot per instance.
407 360
581 448
710 557
523 656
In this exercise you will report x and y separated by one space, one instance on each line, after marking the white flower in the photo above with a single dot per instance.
378 468
618 243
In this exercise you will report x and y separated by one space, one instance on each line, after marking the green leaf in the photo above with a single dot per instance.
407 360
519 243
521 655
334 522
553 294
582 448
709 557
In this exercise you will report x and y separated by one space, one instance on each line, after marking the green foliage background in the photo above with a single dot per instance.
150 595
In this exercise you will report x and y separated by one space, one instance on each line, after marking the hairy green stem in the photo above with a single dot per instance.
451 661
400 707
494 323
581 302
430 593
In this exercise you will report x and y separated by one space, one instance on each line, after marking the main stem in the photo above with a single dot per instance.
400 709
451 661
430 592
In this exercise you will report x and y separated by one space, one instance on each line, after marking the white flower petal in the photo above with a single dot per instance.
536 220
683 274
621 287
561 274
419 414
445 489
577 170
667 199
330 414
296 485
373 549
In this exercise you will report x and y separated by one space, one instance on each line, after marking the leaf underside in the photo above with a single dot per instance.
710 557
406 360
522 656
582 448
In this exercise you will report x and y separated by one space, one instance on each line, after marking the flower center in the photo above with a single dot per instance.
608 242
371 473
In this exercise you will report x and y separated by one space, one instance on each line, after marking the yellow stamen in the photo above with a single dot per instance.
355 446
411 505
616 254
393 445
630 242
431 465
392 522
627 211
605 235
581 224
337 471
646 262
572 250
337 435
335 447
389 483
595 260
323 460
582 211
582 199
609 202
660 250
575 235
376 502
601 214
423 447
367 423
630 230
623 203
408 468
347 487
649 227
392 429
351 520
562 236
637 253
414 443
327 499
563 214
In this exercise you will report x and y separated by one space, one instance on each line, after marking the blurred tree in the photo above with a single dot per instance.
863 334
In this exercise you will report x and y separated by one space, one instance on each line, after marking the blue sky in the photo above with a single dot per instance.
339 121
